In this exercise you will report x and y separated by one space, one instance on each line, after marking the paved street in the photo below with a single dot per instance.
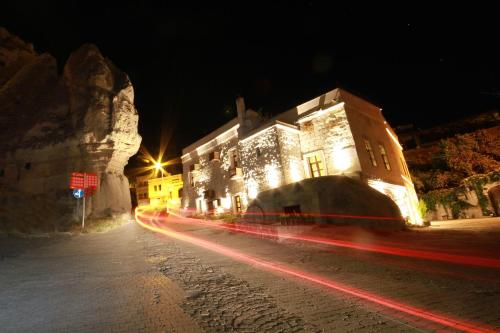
132 279
90 283
476 225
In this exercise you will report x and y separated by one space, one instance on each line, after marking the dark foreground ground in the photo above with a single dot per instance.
131 279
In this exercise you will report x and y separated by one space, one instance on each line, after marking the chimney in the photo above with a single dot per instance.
240 108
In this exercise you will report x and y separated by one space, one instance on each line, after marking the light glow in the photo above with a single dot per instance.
295 170
321 112
397 193
272 176
226 202
252 189
342 160
394 138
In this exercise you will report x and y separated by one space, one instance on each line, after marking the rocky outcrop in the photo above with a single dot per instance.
51 125
336 200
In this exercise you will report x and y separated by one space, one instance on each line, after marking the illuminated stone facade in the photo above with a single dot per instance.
212 173
334 134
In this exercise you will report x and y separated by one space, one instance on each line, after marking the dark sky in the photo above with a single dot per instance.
421 63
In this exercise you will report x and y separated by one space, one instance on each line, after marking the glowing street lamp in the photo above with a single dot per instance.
159 167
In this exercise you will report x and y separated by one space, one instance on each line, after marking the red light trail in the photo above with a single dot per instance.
419 254
275 267
331 215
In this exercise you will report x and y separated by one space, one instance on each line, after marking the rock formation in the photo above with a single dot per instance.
52 125
331 200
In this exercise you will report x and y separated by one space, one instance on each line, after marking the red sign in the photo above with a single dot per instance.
86 181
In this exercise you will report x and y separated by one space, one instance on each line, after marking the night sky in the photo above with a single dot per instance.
421 63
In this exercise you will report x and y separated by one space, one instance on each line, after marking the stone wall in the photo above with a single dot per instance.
291 156
215 175
264 171
466 204
331 134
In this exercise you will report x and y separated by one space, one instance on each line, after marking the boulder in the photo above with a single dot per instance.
336 200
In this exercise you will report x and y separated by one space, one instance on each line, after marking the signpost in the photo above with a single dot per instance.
83 185
78 193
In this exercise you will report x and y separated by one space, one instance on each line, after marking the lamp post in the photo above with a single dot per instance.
159 167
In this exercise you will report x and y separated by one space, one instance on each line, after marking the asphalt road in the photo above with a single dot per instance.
132 280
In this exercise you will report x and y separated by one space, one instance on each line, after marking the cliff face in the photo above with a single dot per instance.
51 125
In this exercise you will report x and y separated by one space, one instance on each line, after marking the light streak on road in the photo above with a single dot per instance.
325 215
275 267
396 251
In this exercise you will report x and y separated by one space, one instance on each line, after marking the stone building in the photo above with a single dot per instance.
335 134
141 190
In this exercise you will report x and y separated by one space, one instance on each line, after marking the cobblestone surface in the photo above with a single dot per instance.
132 280
221 302
463 292
226 296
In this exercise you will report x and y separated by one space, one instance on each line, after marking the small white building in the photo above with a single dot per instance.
334 134
141 190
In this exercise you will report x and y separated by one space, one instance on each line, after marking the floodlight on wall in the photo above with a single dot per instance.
342 159
252 189
295 171
272 175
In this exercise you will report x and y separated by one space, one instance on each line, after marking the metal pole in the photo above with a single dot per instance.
162 197
77 207
83 215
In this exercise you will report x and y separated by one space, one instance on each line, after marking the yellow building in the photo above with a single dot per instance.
166 191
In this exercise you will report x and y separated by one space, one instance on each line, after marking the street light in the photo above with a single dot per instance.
158 166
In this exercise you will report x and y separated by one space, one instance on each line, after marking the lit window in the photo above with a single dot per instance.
369 150
315 163
384 157
237 203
